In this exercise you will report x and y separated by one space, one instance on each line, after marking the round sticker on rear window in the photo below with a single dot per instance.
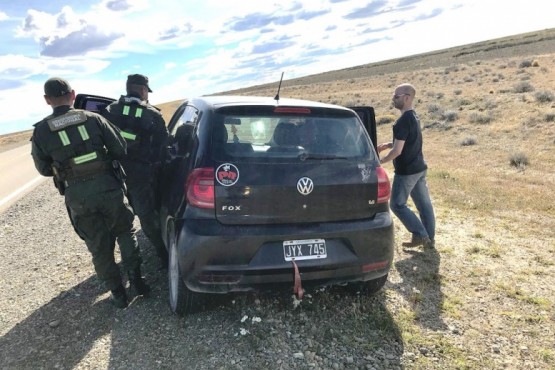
227 174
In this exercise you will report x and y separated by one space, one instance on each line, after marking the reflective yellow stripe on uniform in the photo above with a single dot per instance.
63 136
128 135
138 112
83 132
85 158
125 111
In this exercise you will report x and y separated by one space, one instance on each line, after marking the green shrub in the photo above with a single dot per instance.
437 125
468 141
464 101
450 116
525 64
479 118
523 87
382 120
435 108
544 96
518 160
549 117
489 104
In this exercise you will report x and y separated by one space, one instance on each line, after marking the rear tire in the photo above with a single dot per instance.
369 287
182 299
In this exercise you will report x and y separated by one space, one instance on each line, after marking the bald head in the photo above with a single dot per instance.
403 97
406 88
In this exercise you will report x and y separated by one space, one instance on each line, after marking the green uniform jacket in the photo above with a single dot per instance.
142 126
77 135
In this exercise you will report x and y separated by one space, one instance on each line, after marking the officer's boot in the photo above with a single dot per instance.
119 297
137 283
163 258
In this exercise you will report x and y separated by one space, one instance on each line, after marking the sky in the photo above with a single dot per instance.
199 47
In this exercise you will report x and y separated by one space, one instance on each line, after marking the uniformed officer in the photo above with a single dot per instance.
79 148
145 132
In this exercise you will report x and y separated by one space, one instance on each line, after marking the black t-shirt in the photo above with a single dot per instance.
411 159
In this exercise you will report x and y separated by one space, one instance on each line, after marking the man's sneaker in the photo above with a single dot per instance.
119 297
429 243
416 241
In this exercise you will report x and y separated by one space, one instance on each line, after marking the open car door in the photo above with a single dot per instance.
93 103
368 118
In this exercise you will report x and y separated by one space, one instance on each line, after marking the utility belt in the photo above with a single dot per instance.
81 179
81 169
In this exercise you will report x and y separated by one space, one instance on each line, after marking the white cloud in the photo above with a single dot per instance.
19 67
27 105
3 16
122 6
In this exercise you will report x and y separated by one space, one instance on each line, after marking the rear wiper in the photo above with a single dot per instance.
305 156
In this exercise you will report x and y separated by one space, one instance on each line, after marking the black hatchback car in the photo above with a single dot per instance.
260 192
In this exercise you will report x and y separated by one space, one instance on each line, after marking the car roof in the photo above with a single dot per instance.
219 101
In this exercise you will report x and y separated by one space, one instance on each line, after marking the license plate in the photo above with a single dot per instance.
309 249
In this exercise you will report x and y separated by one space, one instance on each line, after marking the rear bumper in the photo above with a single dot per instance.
216 258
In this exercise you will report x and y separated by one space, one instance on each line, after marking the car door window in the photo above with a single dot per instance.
189 116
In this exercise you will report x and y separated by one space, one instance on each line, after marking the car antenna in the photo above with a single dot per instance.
279 88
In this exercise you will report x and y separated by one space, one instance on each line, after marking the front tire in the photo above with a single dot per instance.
182 299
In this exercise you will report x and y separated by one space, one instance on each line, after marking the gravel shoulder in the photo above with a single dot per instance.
55 315
432 312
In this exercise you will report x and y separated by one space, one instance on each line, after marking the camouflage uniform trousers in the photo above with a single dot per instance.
100 218
142 197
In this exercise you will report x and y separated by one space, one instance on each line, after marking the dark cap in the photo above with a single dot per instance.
138 79
56 86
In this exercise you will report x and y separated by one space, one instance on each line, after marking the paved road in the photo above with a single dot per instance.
18 175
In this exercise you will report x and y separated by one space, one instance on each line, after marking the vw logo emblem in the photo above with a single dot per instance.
305 185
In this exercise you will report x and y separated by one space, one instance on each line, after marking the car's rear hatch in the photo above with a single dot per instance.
301 166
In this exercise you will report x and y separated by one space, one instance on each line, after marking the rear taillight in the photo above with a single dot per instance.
384 189
200 188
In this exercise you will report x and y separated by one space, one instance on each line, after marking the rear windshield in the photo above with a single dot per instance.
271 136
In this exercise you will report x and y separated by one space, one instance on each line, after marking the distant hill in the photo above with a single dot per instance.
530 43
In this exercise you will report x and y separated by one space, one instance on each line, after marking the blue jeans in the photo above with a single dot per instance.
415 186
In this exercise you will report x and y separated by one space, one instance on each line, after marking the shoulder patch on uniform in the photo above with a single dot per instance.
65 120
131 100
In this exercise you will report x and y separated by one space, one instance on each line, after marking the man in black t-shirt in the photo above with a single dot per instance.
410 171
